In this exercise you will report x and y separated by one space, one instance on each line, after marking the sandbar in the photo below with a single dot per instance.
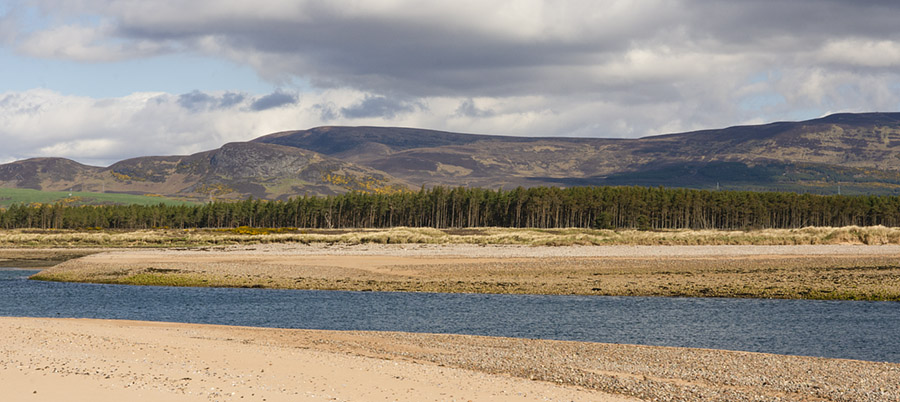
844 272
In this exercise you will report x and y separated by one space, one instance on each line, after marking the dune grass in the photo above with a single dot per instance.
485 236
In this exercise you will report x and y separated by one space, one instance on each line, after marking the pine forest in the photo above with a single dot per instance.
441 207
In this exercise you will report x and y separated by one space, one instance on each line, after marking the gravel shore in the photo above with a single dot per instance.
123 360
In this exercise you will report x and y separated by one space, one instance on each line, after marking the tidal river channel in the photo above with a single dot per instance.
840 329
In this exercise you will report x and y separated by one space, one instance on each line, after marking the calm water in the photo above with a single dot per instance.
856 330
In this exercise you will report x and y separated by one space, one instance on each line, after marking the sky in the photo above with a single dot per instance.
98 81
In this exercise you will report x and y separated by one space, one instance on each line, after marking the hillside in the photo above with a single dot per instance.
859 152
36 172
850 153
234 171
10 196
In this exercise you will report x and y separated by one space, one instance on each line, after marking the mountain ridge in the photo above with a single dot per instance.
856 152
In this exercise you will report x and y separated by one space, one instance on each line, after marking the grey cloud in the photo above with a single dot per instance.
273 100
326 111
14 103
803 21
200 101
230 99
9 26
467 108
463 51
195 100
377 106
472 53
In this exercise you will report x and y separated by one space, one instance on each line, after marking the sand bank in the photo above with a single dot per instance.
801 271
100 360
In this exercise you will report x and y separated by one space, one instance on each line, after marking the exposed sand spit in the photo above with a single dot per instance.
803 271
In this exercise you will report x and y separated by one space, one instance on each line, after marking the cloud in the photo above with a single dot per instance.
466 48
87 44
273 100
862 53
230 99
467 108
196 100
201 101
326 111
81 147
9 26
528 67
40 122
377 106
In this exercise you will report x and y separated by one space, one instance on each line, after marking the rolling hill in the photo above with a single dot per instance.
851 153
858 152
10 196
234 171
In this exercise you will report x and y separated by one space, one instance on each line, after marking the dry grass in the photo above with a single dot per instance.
535 237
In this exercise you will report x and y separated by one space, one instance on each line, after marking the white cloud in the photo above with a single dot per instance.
862 53
87 149
818 88
101 131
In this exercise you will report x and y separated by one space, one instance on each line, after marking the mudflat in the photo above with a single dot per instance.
98 360
847 272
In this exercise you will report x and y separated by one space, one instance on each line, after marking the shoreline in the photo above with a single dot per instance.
130 360
106 359
825 272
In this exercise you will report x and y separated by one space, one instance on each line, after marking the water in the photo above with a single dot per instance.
855 330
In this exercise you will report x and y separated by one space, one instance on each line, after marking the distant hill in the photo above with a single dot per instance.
851 153
858 152
234 171
10 196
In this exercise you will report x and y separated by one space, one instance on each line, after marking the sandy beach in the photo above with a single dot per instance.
91 360
103 360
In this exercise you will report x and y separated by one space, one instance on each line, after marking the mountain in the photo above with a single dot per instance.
32 173
234 171
850 153
860 152
427 157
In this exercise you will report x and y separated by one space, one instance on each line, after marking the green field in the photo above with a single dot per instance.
10 196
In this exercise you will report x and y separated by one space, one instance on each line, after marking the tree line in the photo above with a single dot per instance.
442 207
